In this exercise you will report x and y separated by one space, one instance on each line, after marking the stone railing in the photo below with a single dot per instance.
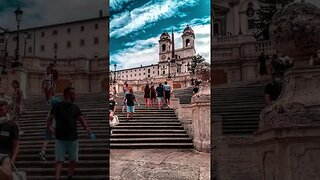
237 39
65 65
241 49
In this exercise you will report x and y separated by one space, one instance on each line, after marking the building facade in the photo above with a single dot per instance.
79 49
235 50
172 61
85 38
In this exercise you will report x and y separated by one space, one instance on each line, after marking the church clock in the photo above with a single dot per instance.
163 57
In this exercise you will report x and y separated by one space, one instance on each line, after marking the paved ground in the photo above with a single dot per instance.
159 164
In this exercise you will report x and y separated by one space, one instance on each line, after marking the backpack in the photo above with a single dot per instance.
55 74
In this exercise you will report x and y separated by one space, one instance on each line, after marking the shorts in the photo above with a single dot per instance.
130 109
48 135
160 99
167 94
63 147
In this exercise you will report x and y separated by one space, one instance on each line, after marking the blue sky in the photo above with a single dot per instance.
135 28
46 12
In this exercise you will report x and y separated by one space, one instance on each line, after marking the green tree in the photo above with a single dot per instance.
195 61
265 14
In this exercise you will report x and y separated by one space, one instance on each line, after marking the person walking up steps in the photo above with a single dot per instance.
167 93
129 100
17 101
48 136
48 85
147 95
125 91
112 110
67 115
153 96
160 94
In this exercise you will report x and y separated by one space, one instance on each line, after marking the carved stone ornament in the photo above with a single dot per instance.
295 32
203 72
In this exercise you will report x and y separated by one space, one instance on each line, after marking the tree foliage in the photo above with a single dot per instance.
265 15
195 61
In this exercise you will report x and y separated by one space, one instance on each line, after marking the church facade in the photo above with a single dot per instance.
173 64
235 50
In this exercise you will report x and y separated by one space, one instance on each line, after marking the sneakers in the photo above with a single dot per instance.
42 156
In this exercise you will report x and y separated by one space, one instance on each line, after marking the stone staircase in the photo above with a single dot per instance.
150 128
93 154
239 105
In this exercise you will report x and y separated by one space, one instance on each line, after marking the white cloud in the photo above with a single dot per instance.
40 12
138 52
117 4
148 13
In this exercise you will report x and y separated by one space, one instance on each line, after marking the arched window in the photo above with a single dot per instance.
187 42
163 47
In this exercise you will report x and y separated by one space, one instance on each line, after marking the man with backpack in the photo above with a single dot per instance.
9 140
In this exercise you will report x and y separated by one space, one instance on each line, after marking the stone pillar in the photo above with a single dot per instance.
201 116
289 131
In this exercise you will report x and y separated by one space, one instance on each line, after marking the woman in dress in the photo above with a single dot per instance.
147 95
47 85
153 96
17 98
115 93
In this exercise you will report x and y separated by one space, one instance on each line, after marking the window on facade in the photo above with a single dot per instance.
148 75
135 74
82 28
251 24
42 48
55 46
54 32
96 40
96 26
148 70
130 75
153 72
29 36
69 44
144 73
187 42
29 49
163 47
82 42
69 30
139 74
163 72
42 34
15 38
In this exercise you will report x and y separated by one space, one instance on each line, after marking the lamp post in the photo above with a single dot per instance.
6 37
169 76
115 77
18 14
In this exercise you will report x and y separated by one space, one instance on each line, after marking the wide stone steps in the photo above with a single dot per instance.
93 154
239 107
149 128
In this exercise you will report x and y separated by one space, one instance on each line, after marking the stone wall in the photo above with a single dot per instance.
236 158
184 113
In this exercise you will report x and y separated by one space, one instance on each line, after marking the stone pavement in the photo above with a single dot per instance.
159 164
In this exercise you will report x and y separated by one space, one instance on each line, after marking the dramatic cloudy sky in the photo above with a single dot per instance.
46 12
135 28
